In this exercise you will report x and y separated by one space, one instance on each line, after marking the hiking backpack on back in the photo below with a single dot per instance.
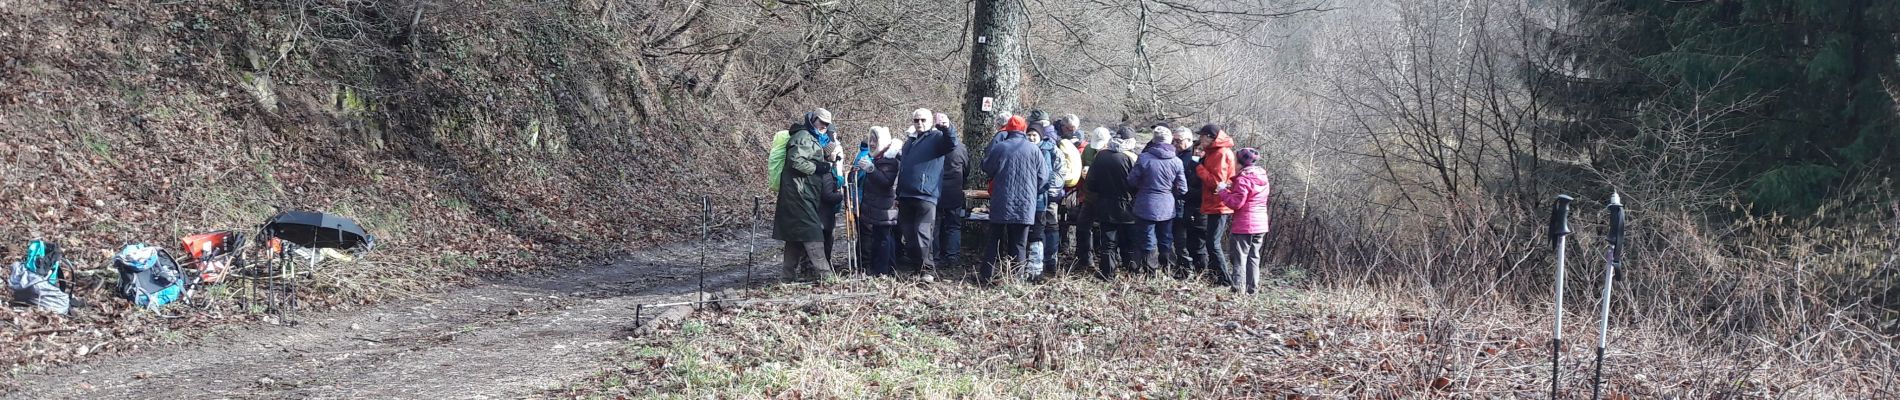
775 163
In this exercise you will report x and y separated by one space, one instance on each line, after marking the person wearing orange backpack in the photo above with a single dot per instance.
1217 170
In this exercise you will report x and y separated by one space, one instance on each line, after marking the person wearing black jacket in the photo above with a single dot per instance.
1111 202
1190 255
879 208
950 201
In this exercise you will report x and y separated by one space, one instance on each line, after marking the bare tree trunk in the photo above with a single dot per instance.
996 72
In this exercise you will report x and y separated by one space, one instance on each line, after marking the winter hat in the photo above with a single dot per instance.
1208 131
1247 156
1100 139
880 137
892 147
1038 116
924 114
1062 125
1125 133
1163 135
1015 124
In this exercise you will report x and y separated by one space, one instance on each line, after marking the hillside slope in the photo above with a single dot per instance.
481 137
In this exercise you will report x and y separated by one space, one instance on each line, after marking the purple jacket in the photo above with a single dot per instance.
1158 177
1248 198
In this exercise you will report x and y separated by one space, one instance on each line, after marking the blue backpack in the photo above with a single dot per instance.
35 280
44 259
148 276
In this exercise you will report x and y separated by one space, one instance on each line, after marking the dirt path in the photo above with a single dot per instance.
503 339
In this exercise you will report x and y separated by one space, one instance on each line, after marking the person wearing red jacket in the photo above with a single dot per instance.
1217 170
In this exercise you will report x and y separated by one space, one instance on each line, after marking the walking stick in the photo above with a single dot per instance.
1609 279
1559 229
851 222
705 237
752 243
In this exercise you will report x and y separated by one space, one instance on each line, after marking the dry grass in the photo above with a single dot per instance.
1160 338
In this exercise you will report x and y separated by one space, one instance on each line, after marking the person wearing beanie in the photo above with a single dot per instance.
1190 231
1130 144
1020 178
803 184
1041 245
1110 204
948 246
879 201
1087 233
1157 178
1216 170
1248 197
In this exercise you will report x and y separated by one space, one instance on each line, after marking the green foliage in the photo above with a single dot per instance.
1794 185
1814 67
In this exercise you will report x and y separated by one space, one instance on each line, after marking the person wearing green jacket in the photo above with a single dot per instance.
796 219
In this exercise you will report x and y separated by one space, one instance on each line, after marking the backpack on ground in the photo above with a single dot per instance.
148 276
775 163
35 280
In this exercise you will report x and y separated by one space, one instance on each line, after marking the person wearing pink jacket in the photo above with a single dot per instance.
1248 197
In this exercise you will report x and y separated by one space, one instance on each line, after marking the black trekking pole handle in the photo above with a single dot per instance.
1560 217
1609 280
1559 228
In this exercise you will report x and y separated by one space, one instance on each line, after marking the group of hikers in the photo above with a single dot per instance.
1162 206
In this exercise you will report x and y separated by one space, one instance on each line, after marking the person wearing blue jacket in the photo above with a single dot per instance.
1158 177
919 183
1019 180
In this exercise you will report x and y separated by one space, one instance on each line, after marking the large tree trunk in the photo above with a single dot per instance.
996 72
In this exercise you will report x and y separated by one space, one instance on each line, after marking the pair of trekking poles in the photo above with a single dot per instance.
1559 230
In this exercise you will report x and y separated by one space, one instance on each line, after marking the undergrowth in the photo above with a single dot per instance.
1162 338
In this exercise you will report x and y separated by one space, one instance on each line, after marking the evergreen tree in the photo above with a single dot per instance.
1820 71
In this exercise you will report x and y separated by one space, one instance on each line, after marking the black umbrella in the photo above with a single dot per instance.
318 230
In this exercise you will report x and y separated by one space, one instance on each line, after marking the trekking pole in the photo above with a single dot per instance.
752 243
1559 228
1609 279
705 236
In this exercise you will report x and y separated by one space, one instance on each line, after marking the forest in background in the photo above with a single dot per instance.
1415 144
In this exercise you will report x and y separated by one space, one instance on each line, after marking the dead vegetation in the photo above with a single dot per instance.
146 122
1161 338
